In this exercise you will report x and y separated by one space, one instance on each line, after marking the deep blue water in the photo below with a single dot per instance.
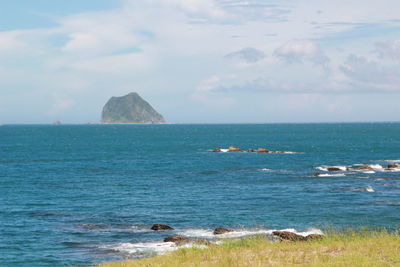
73 195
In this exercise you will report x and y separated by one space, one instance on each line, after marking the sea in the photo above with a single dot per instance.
86 194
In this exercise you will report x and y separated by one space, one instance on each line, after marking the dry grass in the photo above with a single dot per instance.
337 249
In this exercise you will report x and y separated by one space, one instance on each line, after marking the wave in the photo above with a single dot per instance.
264 170
327 168
330 175
236 233
147 249
364 168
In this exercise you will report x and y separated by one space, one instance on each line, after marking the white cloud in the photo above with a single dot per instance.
298 51
388 49
371 75
248 55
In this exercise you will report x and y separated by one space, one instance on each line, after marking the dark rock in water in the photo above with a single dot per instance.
262 150
216 150
393 166
178 240
251 150
362 168
333 169
158 227
234 149
317 174
221 230
130 109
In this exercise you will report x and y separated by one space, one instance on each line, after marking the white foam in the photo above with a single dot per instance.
331 175
264 169
393 160
208 233
325 168
149 248
224 150
365 189
377 167
143 248
369 189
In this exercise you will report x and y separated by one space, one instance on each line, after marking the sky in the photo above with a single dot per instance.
201 61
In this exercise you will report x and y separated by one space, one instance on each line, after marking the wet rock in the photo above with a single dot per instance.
393 166
216 150
222 230
262 150
333 169
234 149
178 240
362 168
317 174
158 227
382 179
251 150
284 235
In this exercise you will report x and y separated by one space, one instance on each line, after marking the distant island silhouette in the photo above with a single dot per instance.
130 108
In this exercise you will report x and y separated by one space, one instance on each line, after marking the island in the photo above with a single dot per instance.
130 108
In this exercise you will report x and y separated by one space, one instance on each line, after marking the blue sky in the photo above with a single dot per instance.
201 60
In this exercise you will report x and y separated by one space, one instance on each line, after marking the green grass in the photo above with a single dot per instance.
345 248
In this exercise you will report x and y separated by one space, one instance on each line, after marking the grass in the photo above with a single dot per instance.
346 248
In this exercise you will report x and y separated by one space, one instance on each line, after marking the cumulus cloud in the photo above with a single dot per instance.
248 55
298 51
388 49
370 73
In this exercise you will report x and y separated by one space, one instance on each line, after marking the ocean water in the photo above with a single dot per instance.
85 194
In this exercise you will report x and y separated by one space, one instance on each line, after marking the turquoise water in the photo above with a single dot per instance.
80 195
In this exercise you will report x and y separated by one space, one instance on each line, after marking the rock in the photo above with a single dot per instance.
333 169
262 150
158 227
216 150
251 150
221 230
393 166
234 149
383 179
130 108
362 168
178 240
284 235
317 174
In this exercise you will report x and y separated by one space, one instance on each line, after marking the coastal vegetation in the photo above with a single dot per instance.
337 248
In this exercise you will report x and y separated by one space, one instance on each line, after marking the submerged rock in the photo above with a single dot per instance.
362 168
221 230
177 239
130 108
333 169
158 227
262 150
234 149
216 150
393 166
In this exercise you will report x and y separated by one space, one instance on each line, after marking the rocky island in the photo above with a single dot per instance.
130 108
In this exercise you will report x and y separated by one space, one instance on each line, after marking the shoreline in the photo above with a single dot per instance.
346 248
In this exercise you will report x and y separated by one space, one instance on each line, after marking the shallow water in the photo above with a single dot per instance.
79 195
